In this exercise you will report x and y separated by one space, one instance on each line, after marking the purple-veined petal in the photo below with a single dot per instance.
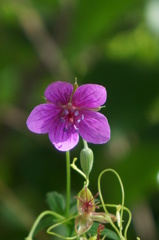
82 224
42 118
61 139
94 128
89 96
59 92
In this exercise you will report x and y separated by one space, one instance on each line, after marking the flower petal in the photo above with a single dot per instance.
82 224
63 140
89 96
94 128
59 92
41 119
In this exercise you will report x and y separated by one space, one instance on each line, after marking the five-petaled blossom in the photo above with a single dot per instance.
70 111
86 210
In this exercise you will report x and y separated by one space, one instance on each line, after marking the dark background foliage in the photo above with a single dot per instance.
112 43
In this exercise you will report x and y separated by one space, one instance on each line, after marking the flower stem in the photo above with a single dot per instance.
73 165
43 214
85 143
49 230
68 182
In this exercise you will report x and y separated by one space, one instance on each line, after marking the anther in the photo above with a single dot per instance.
76 113
66 112
62 119
65 129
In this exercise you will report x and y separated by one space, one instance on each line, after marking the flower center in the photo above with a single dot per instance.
86 202
71 116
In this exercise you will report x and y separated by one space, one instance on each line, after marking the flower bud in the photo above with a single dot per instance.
86 160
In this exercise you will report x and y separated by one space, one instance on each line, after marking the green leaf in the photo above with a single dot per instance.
109 233
73 206
56 202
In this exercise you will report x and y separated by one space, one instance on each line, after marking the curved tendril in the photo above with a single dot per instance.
123 199
125 209
128 223
58 224
43 214
73 165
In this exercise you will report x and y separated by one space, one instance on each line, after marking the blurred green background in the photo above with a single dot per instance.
112 43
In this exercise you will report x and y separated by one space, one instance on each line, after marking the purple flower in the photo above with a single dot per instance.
68 113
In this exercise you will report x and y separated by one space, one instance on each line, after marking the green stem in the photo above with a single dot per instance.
43 214
129 214
85 143
49 230
68 182
73 165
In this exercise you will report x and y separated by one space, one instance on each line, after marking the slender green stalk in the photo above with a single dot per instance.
85 143
129 214
49 230
43 214
73 165
123 199
68 182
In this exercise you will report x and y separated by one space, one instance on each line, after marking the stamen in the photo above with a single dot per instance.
76 128
78 120
79 198
62 119
88 205
66 112
65 129
71 120
71 116
76 113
